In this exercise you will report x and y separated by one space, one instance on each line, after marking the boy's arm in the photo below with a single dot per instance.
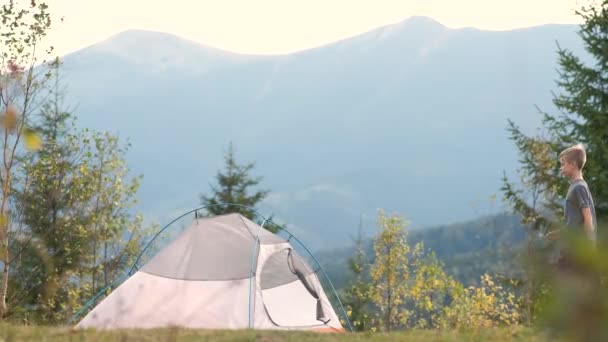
587 221
584 202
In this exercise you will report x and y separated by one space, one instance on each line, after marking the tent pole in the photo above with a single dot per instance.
92 300
254 253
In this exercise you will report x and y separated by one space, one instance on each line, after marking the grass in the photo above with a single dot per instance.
33 333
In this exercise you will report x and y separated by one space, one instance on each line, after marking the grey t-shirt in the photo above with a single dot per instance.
578 197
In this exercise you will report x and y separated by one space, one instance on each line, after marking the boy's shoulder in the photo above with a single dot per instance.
578 191
579 185
583 186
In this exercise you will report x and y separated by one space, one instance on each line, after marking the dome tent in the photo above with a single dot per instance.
222 272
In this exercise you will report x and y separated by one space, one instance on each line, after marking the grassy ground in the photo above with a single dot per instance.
29 333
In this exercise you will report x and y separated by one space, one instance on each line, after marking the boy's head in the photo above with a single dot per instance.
573 160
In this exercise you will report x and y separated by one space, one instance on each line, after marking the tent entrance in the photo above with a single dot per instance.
290 291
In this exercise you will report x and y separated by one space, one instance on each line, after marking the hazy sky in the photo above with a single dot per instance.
282 26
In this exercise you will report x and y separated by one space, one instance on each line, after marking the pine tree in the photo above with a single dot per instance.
76 233
234 186
583 118
48 195
584 101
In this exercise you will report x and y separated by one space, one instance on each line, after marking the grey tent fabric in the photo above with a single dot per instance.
266 237
281 268
203 251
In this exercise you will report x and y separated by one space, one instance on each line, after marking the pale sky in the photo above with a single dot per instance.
283 26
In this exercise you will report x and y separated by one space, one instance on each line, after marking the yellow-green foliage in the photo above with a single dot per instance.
430 291
487 305
390 272
410 288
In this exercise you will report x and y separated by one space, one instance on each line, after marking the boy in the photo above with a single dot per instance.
579 208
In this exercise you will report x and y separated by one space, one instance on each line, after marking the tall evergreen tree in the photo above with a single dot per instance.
73 203
234 186
49 196
583 118
582 102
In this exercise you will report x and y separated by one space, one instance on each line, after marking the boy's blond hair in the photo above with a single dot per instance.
575 154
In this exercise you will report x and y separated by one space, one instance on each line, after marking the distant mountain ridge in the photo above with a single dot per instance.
409 117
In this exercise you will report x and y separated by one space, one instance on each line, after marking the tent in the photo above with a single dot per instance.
222 272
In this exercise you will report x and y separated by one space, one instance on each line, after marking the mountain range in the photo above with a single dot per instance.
409 117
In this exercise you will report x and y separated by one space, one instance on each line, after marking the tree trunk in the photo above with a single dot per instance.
96 227
529 285
389 290
4 243
105 262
